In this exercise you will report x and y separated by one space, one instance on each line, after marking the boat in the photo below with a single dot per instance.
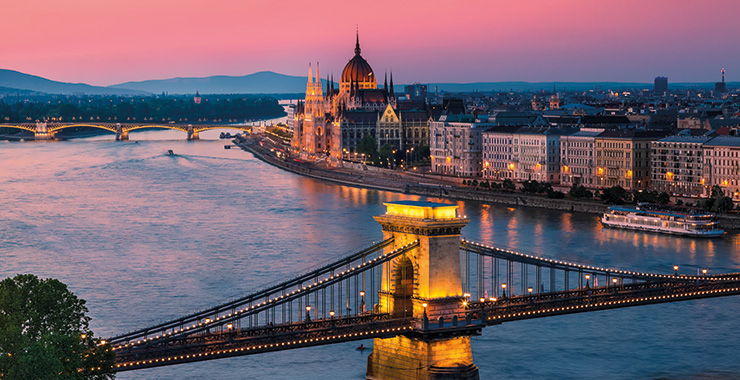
653 218
170 152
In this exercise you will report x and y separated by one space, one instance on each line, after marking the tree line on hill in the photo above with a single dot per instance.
142 109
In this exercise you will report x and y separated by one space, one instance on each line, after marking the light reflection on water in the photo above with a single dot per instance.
144 236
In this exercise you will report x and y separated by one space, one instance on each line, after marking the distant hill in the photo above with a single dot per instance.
561 86
263 82
17 91
18 80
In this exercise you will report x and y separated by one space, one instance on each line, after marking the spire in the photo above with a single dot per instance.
385 85
318 76
723 75
392 93
328 90
309 85
332 83
357 44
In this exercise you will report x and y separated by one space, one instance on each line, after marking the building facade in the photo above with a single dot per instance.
455 144
722 165
623 158
331 122
577 159
677 165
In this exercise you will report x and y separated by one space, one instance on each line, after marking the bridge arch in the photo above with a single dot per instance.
59 127
25 127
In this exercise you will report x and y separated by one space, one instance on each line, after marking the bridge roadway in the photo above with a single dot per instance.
627 289
47 131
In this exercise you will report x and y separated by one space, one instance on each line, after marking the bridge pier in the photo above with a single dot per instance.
425 283
42 133
192 133
121 134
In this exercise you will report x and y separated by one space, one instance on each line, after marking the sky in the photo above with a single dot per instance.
104 42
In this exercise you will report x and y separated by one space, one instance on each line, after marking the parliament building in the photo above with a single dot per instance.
330 122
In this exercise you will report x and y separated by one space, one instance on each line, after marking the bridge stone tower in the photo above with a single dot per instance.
425 283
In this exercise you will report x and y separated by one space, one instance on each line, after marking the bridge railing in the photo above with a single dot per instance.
344 288
491 272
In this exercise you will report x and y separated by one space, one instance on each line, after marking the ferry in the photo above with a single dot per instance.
647 217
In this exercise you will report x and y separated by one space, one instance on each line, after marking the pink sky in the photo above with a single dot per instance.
104 42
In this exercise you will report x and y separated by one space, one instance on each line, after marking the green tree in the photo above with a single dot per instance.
580 191
44 333
368 145
508 185
615 195
722 204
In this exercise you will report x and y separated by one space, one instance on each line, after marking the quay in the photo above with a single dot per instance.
428 185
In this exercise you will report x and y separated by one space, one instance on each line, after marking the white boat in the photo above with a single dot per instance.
646 217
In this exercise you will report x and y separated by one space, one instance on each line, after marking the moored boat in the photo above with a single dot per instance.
647 217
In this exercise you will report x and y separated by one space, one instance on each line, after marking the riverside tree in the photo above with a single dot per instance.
44 333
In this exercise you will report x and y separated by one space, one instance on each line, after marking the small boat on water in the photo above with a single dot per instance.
170 152
653 218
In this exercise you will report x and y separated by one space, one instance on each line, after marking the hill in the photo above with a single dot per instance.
263 82
18 80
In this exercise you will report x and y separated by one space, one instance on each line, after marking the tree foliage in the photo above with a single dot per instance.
580 191
368 145
140 109
615 195
44 333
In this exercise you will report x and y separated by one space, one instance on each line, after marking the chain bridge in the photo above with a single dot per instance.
421 293
47 131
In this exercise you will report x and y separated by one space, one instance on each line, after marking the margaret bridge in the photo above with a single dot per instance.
422 292
47 131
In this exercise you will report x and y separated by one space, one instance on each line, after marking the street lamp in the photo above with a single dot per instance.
704 271
362 301
308 313
529 290
675 270
588 277
614 281
503 286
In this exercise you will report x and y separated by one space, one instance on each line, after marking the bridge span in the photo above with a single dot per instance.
48 131
421 293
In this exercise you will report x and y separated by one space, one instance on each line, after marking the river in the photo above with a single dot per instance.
143 237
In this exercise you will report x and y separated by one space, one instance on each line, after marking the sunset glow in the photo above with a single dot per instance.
108 42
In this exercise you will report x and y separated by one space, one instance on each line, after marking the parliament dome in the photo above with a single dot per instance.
358 70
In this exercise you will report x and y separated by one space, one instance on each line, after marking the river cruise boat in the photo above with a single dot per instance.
647 217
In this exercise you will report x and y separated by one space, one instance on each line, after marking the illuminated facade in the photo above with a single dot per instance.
577 157
623 158
331 122
722 165
455 144
677 165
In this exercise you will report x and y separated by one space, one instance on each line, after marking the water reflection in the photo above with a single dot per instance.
143 237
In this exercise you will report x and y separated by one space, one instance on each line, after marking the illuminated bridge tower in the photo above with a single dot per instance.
424 283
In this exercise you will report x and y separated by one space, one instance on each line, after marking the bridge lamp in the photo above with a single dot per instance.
614 281
529 290
675 270
704 271
308 313
362 293
208 320
482 300
503 286
331 313
588 277
229 326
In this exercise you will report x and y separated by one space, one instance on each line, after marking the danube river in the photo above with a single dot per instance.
143 236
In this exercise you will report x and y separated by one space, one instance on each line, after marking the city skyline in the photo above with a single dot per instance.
104 43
